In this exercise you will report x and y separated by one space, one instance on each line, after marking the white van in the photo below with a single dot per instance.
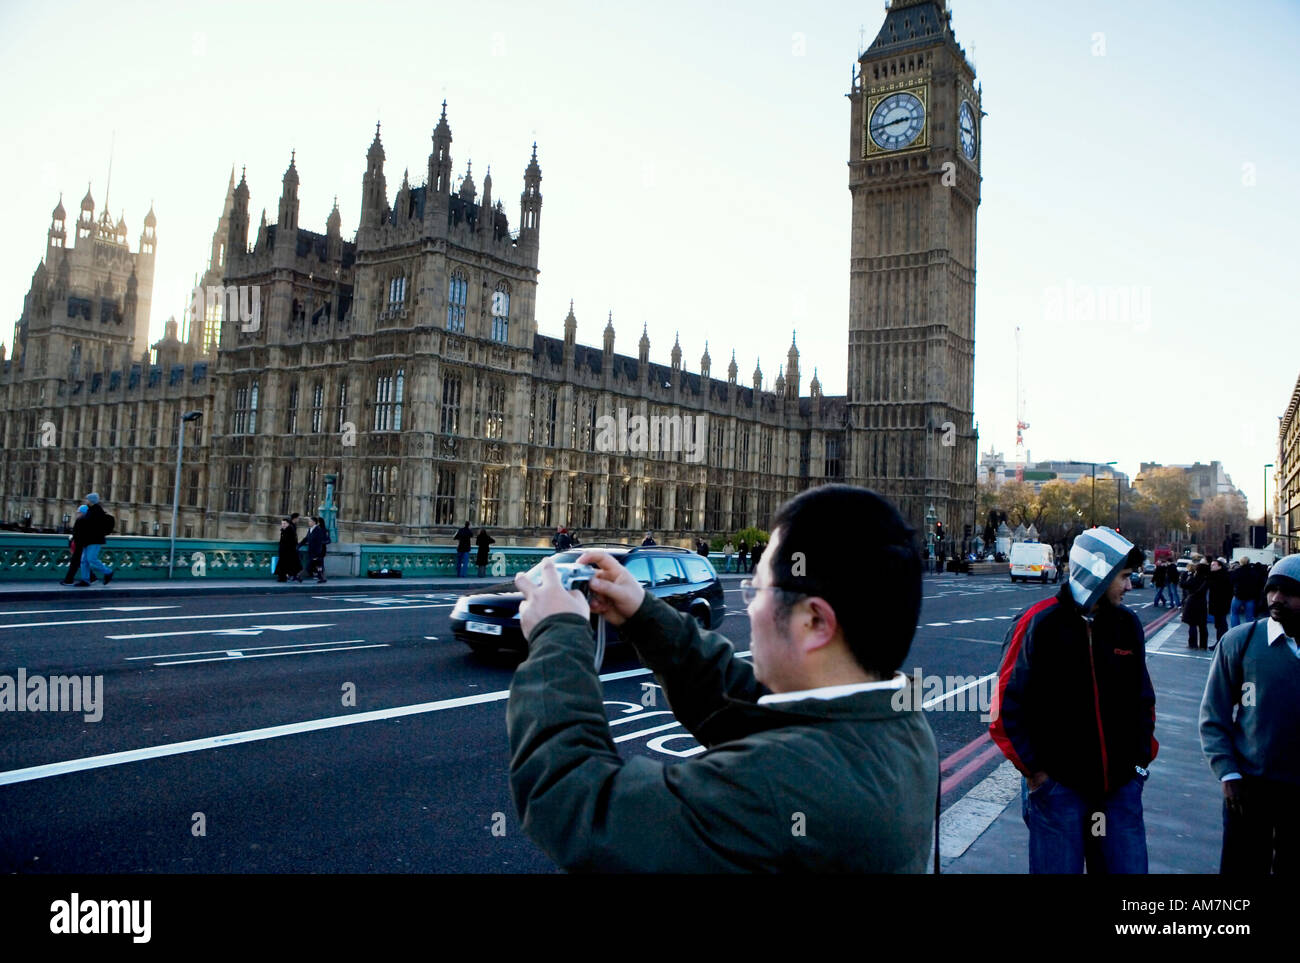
1033 560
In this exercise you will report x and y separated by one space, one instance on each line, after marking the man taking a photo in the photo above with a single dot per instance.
808 766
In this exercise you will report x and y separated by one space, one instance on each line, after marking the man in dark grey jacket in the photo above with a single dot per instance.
809 767
1255 754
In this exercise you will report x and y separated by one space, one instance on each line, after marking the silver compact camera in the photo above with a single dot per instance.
572 575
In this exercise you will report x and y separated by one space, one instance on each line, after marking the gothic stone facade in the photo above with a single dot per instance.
407 363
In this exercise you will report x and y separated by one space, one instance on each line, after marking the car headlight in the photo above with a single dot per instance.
461 607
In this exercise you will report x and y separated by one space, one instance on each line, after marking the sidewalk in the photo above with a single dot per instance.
1182 802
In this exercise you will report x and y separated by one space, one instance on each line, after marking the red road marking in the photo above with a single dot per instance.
966 771
964 751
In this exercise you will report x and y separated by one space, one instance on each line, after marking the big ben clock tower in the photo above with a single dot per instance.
914 175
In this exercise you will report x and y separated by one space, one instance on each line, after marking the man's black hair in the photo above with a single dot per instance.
855 551
1135 559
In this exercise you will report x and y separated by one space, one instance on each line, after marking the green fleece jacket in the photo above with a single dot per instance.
821 785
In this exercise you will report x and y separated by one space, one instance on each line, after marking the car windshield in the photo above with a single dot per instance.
567 556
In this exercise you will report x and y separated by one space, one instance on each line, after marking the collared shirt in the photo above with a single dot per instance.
834 691
1275 634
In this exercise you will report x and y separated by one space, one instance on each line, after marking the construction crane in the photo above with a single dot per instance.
1021 424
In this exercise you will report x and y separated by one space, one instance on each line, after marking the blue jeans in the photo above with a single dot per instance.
1241 611
462 564
1160 595
1065 830
90 560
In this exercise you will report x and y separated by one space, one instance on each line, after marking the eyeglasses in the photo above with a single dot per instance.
749 591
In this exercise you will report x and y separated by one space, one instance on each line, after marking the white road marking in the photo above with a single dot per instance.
271 732
962 621
1163 636
965 820
101 608
251 630
982 619
247 648
944 697
190 618
935 625
645 732
234 656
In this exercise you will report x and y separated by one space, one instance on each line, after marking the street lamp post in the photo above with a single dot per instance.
1118 500
1266 468
176 488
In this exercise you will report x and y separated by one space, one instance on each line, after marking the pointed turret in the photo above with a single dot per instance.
792 369
334 233
677 352
237 242
732 370
86 222
467 190
780 381
484 222
570 327
287 225
705 363
609 339
816 386
57 236
643 346
374 190
440 161
758 378
530 202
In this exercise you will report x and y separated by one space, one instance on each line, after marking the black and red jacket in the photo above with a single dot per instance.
1073 696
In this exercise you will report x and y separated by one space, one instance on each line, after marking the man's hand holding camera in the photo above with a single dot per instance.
547 599
614 593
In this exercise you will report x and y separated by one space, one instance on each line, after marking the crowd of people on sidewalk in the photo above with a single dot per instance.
1211 590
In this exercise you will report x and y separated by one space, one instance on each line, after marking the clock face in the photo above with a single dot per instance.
966 129
897 121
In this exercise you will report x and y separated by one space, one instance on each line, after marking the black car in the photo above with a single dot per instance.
488 620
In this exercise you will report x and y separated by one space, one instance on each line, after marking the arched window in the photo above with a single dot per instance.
457 289
396 292
501 313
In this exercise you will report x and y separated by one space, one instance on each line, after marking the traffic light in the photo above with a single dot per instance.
938 529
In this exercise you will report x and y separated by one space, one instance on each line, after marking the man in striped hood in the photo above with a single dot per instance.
1074 710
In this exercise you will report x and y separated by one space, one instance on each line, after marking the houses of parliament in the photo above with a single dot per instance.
407 363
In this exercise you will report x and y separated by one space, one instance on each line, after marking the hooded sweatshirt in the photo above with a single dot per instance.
1073 696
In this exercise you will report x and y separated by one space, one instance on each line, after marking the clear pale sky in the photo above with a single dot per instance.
695 178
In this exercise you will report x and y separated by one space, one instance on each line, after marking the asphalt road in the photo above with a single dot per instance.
302 732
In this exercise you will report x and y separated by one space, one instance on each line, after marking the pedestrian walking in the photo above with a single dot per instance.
728 550
702 547
1250 715
75 550
1074 711
94 535
742 556
1159 578
316 540
1220 597
287 564
756 555
1196 608
484 540
1172 576
464 536
560 541
1246 586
